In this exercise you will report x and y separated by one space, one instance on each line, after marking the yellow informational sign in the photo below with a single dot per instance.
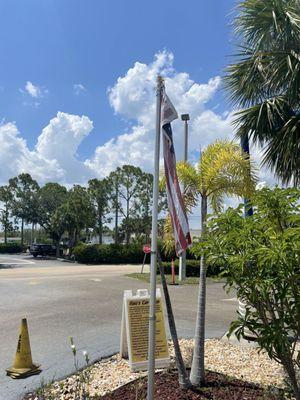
135 323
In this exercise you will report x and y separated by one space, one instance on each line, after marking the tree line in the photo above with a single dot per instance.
120 204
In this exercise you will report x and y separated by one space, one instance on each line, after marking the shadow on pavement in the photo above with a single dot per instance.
5 266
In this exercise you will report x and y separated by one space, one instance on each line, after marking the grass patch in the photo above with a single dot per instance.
193 280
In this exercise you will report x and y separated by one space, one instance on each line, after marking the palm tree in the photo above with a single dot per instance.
221 171
264 82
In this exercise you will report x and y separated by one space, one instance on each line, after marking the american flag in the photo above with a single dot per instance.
178 216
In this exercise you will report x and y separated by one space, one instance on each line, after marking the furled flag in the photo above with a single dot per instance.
178 216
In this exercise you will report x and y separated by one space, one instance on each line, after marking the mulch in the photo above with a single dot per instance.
217 387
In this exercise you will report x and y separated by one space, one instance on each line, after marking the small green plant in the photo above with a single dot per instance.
261 255
82 377
44 392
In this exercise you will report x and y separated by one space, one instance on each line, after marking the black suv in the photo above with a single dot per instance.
38 249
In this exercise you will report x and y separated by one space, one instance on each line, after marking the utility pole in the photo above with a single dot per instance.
182 258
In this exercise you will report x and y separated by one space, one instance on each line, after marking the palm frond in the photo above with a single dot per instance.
222 170
265 80
285 160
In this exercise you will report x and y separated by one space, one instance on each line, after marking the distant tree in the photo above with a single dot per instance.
24 205
141 215
132 192
6 198
76 213
100 192
114 179
50 198
141 218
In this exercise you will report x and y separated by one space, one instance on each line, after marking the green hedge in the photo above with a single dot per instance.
11 248
108 254
192 268
131 254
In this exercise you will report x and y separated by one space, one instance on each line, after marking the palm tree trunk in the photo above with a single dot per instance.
57 248
6 224
5 230
197 376
127 221
22 232
183 378
116 214
32 230
100 229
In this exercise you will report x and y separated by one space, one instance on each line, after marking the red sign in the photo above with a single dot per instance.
147 248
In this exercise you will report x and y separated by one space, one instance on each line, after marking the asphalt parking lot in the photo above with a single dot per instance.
61 300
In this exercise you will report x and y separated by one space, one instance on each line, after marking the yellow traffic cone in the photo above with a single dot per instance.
23 365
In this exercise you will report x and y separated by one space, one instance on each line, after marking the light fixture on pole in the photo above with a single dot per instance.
182 258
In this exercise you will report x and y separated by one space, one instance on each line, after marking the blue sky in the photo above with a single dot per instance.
77 82
58 43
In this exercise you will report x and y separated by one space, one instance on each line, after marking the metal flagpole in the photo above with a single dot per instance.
153 265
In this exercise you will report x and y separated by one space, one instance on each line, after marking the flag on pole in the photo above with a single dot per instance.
178 215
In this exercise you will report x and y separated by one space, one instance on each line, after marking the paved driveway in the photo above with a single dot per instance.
62 300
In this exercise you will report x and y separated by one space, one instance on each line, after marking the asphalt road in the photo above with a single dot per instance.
61 300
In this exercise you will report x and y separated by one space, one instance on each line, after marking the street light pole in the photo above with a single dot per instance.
182 258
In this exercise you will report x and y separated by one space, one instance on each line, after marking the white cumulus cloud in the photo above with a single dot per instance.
54 157
132 97
33 90
78 88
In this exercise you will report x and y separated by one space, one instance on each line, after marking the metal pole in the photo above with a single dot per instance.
153 265
248 211
186 139
182 257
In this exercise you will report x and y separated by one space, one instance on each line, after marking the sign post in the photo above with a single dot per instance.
146 250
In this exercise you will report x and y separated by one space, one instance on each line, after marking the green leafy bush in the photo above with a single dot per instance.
131 254
192 268
10 248
261 255
108 254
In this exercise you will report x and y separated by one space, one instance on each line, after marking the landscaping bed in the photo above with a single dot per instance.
240 371
217 387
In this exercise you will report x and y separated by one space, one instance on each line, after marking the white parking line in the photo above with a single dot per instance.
2 261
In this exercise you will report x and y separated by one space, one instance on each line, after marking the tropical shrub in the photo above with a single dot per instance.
192 268
11 248
125 254
261 255
108 254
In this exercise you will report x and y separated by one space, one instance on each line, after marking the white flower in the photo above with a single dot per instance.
84 353
73 347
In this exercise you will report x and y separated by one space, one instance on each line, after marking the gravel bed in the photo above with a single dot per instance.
244 363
